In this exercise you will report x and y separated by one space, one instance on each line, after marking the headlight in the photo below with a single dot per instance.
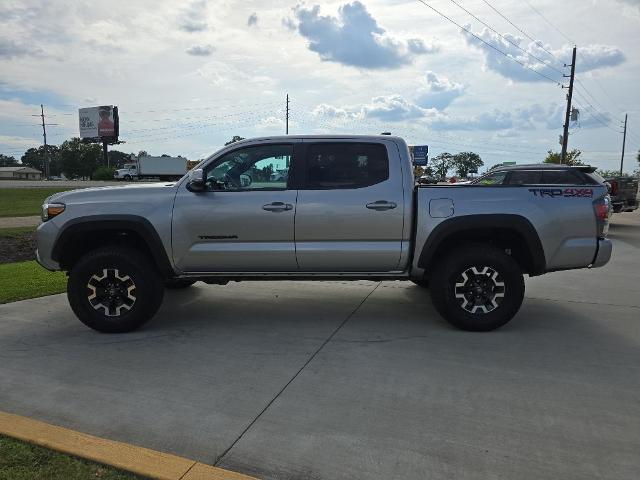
50 210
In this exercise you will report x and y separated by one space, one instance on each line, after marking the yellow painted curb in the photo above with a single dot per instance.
143 461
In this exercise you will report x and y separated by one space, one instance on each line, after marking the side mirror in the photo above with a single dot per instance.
196 181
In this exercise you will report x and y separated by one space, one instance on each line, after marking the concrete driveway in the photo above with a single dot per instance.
337 380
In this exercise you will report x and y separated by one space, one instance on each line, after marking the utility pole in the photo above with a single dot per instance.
287 115
565 136
46 150
624 139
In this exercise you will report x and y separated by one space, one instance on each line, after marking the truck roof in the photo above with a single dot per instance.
546 166
285 138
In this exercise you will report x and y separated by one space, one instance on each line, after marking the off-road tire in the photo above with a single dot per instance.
447 279
178 283
127 178
132 271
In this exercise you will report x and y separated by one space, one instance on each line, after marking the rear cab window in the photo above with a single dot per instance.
496 178
343 165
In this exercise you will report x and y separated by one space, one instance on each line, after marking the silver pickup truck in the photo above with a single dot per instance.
318 208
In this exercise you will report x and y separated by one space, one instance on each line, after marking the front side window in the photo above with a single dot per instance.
346 165
496 178
263 167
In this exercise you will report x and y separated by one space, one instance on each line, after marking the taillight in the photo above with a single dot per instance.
602 209
614 187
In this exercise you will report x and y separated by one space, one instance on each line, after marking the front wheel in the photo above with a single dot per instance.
477 288
114 289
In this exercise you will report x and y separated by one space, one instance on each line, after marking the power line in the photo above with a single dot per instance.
537 42
505 38
548 21
489 44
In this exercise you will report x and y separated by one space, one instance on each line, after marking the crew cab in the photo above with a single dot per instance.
341 207
624 193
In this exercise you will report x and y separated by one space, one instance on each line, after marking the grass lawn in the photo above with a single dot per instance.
22 202
22 280
14 232
23 461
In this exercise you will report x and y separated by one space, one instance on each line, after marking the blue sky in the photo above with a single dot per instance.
188 75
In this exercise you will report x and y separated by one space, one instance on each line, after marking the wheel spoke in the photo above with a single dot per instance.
479 289
111 292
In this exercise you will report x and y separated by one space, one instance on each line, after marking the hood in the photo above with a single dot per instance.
110 191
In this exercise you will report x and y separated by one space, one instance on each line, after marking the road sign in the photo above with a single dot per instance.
420 154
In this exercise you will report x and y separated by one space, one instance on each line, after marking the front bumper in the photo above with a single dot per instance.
603 255
46 234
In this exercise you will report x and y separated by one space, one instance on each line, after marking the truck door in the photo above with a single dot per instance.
244 221
350 210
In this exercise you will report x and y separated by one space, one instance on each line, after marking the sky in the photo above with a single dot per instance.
189 75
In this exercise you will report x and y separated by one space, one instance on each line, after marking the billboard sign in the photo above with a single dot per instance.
99 124
419 154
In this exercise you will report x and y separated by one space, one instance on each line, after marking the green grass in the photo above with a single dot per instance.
13 232
22 280
22 202
23 461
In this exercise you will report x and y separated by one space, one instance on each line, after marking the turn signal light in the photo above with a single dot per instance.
50 210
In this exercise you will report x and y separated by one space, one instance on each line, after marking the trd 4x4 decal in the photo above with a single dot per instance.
562 192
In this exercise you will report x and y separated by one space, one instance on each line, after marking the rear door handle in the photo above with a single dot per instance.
277 207
381 205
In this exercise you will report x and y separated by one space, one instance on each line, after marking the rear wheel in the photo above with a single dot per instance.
127 178
477 288
114 289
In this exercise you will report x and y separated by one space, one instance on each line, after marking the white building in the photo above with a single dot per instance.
20 173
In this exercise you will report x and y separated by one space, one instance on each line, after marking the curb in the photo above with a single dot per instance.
139 460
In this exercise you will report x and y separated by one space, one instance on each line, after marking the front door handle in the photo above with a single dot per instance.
381 205
277 207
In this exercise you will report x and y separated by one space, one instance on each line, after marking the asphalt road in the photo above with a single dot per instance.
352 380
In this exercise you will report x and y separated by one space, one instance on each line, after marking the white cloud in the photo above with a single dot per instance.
439 91
201 50
533 56
194 17
354 38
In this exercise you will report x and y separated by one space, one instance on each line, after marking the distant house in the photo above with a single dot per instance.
20 173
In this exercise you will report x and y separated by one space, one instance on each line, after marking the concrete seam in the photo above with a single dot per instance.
185 473
313 355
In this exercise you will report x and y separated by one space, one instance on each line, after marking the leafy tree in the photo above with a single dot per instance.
236 138
103 173
117 158
608 173
35 158
442 164
465 161
572 157
79 159
7 161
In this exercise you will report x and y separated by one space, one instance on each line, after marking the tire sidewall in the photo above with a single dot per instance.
148 290
450 269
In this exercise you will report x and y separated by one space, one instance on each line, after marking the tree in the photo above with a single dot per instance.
572 157
35 158
608 173
236 138
79 159
117 158
465 161
442 164
7 161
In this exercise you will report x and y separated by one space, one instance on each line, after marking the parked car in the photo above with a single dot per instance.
624 193
349 210
547 174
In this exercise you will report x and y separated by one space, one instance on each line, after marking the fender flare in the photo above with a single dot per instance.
135 223
456 225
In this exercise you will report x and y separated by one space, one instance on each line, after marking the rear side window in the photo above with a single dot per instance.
496 178
346 165
524 177
561 177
